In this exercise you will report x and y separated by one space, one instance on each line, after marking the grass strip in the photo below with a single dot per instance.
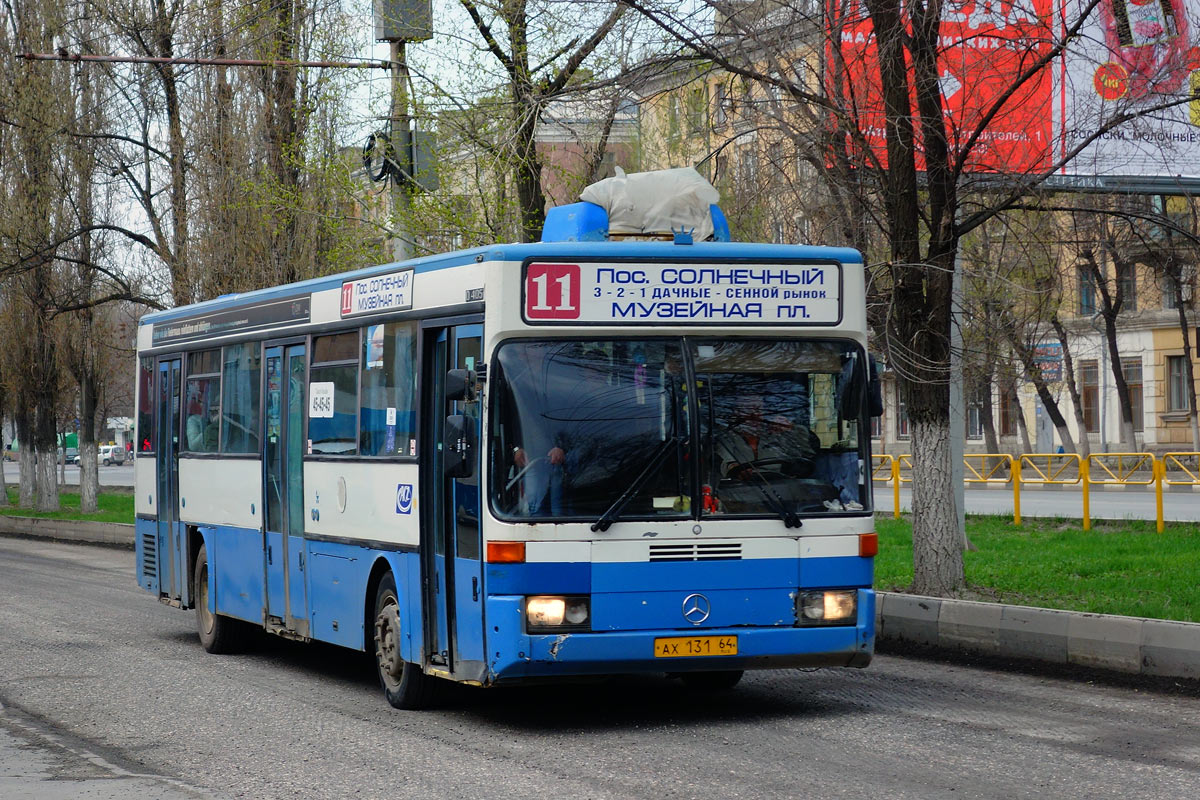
113 508
1123 567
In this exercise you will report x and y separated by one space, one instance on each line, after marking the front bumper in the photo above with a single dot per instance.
513 654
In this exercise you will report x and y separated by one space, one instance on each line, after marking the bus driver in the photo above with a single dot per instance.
754 443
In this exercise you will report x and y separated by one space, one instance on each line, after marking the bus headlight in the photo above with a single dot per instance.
547 613
827 608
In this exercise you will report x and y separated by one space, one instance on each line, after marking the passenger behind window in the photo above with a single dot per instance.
195 427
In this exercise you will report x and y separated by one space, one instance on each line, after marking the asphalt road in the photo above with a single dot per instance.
91 665
112 475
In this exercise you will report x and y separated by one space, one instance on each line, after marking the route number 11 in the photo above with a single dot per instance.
552 291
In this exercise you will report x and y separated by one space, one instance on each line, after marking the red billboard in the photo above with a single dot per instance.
1130 55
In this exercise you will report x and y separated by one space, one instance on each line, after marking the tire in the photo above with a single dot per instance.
107 462
404 684
712 681
218 633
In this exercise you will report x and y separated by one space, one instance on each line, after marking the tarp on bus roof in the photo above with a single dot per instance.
662 202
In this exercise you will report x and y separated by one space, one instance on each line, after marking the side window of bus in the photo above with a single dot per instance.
145 417
387 425
333 394
202 402
239 398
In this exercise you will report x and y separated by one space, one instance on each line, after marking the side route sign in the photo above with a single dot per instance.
392 292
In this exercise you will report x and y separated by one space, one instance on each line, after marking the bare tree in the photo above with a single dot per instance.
1099 245
539 63
27 237
1072 385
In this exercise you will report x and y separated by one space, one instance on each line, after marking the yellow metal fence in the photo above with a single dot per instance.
1064 469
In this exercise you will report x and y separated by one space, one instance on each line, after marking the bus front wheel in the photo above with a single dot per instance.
404 684
218 634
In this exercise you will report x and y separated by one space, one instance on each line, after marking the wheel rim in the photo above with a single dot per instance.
387 643
207 619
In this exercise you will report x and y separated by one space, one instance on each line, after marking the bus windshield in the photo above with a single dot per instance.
640 428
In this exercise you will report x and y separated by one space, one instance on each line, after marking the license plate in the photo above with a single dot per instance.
692 646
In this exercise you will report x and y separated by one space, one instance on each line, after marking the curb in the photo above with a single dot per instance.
1136 645
68 530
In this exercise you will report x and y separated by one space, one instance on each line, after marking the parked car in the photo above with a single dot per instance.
70 455
111 454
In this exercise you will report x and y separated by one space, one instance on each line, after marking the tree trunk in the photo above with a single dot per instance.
3 483
25 456
89 477
1019 414
937 546
1085 447
83 355
1034 374
46 478
183 287
283 142
1189 370
1114 359
530 199
988 418
44 373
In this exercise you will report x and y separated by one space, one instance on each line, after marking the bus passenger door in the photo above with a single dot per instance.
451 523
170 538
283 488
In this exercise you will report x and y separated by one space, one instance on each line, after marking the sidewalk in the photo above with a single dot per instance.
1125 644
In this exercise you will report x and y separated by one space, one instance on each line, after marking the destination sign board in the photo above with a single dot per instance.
683 293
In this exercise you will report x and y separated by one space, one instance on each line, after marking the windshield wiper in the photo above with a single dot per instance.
773 500
608 517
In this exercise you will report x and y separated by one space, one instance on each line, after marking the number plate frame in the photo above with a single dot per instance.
695 646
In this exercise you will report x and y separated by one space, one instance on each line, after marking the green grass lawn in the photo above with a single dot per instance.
1115 568
113 508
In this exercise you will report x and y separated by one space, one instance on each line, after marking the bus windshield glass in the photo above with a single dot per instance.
577 422
640 428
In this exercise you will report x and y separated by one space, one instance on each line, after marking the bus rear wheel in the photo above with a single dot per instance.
218 633
404 684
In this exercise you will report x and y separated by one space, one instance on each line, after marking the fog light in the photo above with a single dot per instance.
556 613
827 608
577 611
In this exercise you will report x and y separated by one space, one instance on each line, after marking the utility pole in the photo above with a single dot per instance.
398 22
401 141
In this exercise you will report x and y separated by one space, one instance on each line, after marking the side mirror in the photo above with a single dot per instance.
458 454
460 385
874 388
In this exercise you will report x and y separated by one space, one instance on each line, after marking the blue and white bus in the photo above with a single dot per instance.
580 456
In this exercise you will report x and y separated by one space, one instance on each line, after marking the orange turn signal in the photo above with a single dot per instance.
506 552
868 545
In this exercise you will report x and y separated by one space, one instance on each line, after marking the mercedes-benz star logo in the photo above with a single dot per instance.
696 608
